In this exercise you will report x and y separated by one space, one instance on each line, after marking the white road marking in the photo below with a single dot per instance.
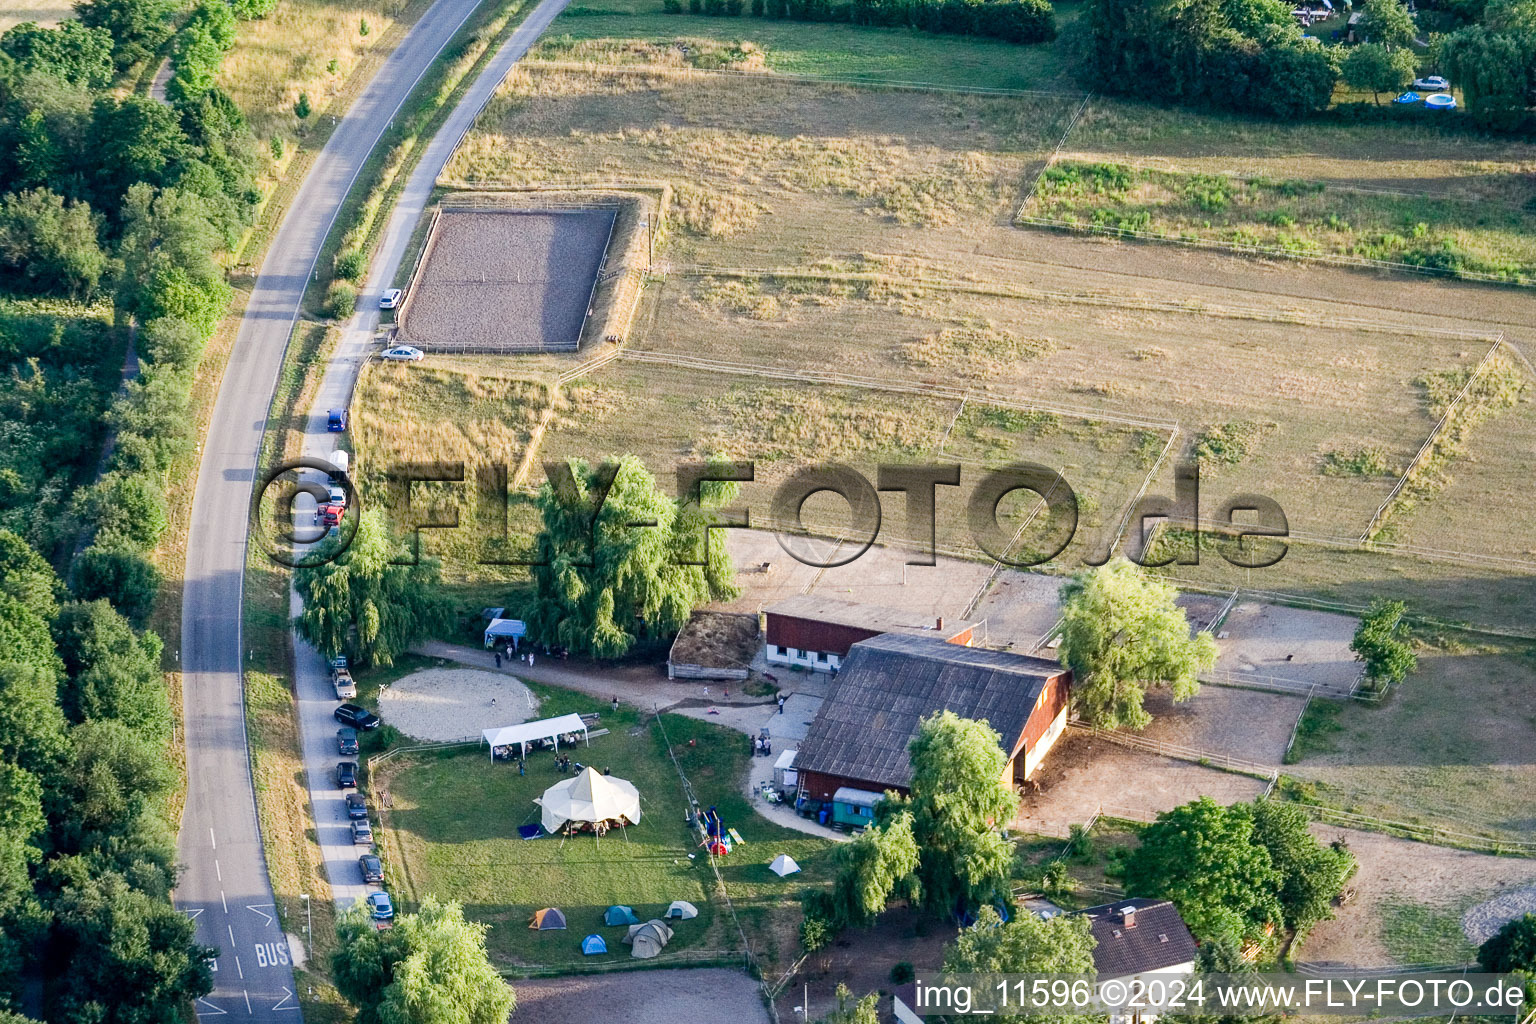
215 844
218 871
193 912
287 995
224 901
212 1011
231 937
239 969
247 1002
267 918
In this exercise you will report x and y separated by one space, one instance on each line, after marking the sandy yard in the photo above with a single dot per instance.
1247 724
1401 870
1083 775
701 996
445 704
1020 608
1297 648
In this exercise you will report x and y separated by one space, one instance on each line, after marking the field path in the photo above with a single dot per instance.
315 698
224 885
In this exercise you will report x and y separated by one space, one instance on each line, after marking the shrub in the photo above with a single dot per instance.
902 972
126 579
351 264
757 8
815 933
340 300
302 108
672 6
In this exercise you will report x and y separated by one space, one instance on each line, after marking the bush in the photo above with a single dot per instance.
126 511
672 6
902 972
302 108
815 933
351 264
340 300
757 8
126 579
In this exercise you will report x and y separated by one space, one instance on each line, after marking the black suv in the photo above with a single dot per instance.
373 868
346 740
356 716
346 775
357 807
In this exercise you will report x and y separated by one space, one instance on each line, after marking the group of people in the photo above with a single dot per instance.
526 658
761 745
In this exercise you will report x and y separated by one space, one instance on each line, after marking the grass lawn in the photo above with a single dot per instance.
451 831
1416 934
792 47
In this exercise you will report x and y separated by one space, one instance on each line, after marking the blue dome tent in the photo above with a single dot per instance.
592 945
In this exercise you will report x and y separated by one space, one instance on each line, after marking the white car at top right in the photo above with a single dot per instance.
1433 83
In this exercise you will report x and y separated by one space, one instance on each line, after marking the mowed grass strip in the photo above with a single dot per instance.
454 818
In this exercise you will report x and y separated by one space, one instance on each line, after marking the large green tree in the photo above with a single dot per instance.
1026 944
1375 69
879 863
111 672
51 244
960 805
1387 22
1511 948
615 553
366 602
431 968
1311 874
1383 642
1204 857
1122 633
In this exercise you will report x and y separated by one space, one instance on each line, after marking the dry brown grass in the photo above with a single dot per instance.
44 12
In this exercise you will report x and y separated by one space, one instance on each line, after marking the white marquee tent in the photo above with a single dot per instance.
589 797
528 732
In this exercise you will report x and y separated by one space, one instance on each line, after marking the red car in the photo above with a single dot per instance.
330 515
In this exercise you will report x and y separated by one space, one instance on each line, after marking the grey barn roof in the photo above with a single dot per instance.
888 683
836 611
1158 941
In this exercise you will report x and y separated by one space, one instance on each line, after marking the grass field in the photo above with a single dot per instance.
636 31
452 829
1452 746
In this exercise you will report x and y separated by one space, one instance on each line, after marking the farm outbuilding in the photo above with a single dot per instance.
714 645
816 633
858 740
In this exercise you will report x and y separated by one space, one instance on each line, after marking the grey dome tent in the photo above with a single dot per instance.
682 910
646 940
619 914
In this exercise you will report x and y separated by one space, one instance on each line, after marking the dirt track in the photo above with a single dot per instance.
698 996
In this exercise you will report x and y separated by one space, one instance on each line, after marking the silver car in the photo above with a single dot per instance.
403 354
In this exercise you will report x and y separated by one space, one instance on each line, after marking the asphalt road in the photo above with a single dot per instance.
224 885
316 698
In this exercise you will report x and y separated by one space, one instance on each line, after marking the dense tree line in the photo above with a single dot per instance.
1243 55
1017 21
1492 60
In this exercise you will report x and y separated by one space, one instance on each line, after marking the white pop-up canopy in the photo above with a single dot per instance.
527 732
589 798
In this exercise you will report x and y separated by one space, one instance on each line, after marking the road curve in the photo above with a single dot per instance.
223 884
311 676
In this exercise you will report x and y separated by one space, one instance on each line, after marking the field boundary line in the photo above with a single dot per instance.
894 85
1256 314
1130 509
1429 442
1204 758
932 390
1273 251
999 563
1029 193
1349 819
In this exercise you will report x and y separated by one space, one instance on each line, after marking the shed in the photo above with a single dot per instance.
785 778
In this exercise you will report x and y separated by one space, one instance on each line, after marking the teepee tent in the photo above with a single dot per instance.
620 914
783 865
682 910
589 798
593 945
546 919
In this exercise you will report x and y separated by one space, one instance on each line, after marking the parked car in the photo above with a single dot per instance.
357 716
357 807
380 907
346 774
362 832
340 459
346 688
336 421
373 868
346 740
330 515
1432 83
391 298
336 495
403 354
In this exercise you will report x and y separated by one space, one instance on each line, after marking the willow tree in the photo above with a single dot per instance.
620 560
367 602
1121 634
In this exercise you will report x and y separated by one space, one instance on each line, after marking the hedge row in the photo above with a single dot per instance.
1016 21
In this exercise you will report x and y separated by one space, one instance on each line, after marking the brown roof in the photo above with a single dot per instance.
1158 941
863 616
889 683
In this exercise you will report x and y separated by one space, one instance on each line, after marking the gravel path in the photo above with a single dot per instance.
445 704
1482 921
698 996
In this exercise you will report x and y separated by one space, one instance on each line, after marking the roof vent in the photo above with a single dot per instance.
1162 937
1128 916
1117 933
941 623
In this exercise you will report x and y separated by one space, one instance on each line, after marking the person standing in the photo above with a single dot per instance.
530 659
781 703
615 705
498 659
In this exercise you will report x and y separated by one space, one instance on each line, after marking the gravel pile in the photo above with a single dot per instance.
445 704
1484 920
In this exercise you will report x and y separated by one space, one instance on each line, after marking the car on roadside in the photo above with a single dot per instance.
357 716
390 298
330 514
336 421
380 906
372 868
346 740
403 354
346 775
343 683
357 807
1431 83
336 495
362 832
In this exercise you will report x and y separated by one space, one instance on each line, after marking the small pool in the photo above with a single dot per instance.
1440 101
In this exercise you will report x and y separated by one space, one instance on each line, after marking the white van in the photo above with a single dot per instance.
339 459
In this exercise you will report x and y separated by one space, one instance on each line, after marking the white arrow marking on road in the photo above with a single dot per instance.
212 1011
286 996
253 909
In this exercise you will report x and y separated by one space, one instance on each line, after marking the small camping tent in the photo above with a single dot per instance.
646 940
619 914
682 910
783 865
547 919
593 945
589 798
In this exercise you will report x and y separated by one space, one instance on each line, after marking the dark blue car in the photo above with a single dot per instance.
337 421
